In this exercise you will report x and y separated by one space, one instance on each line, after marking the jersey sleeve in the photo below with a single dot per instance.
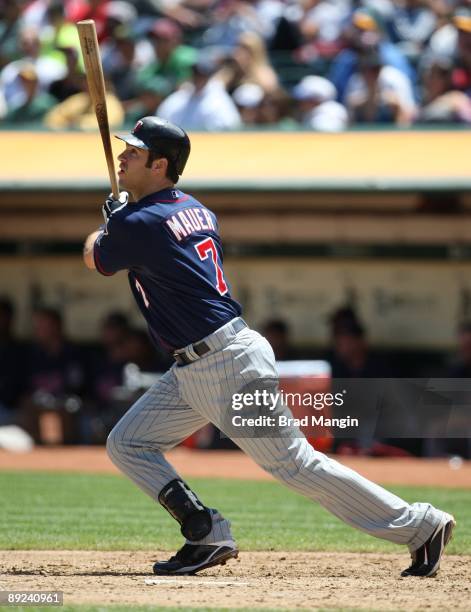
120 245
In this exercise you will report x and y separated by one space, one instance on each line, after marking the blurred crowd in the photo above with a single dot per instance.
215 65
86 388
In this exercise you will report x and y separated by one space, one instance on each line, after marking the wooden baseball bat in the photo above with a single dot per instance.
96 87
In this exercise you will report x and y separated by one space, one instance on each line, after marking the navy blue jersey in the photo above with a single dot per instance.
170 245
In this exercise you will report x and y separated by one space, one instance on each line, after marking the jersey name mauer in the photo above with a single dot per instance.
188 221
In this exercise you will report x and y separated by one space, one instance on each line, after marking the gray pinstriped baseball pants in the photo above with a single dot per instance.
187 397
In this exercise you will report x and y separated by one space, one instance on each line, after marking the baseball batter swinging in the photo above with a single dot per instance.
170 245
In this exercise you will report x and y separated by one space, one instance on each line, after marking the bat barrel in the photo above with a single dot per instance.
96 87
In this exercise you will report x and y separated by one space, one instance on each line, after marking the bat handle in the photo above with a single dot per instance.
114 182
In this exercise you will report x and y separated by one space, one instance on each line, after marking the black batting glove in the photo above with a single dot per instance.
111 204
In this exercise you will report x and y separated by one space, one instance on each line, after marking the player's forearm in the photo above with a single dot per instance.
88 257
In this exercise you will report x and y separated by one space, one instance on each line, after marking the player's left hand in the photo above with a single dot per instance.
111 204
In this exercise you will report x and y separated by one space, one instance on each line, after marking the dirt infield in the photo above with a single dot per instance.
256 579
233 464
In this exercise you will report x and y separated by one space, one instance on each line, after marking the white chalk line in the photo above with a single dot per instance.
196 581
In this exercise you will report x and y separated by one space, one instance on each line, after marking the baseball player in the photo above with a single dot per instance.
169 243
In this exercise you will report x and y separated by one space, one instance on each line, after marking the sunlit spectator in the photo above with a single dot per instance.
34 12
274 111
58 33
322 26
77 111
119 13
202 103
248 63
248 98
365 31
444 41
189 14
317 107
72 82
442 102
173 59
126 50
47 69
412 24
36 103
230 20
379 93
149 95
453 41
121 63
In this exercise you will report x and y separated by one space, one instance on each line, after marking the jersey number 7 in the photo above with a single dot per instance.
204 248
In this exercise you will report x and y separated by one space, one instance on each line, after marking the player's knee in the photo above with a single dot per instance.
301 458
115 445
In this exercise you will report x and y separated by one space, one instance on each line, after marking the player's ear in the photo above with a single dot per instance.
160 166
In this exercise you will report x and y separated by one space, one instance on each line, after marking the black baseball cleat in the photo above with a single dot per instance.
426 559
192 558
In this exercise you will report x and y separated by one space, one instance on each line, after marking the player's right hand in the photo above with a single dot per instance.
111 204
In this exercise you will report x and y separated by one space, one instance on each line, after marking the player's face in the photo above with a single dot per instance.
133 173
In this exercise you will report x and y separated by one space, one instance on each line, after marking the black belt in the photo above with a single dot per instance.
194 351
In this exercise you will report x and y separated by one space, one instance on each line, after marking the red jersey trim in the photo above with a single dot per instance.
182 199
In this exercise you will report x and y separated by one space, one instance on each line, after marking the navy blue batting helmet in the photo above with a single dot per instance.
161 137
